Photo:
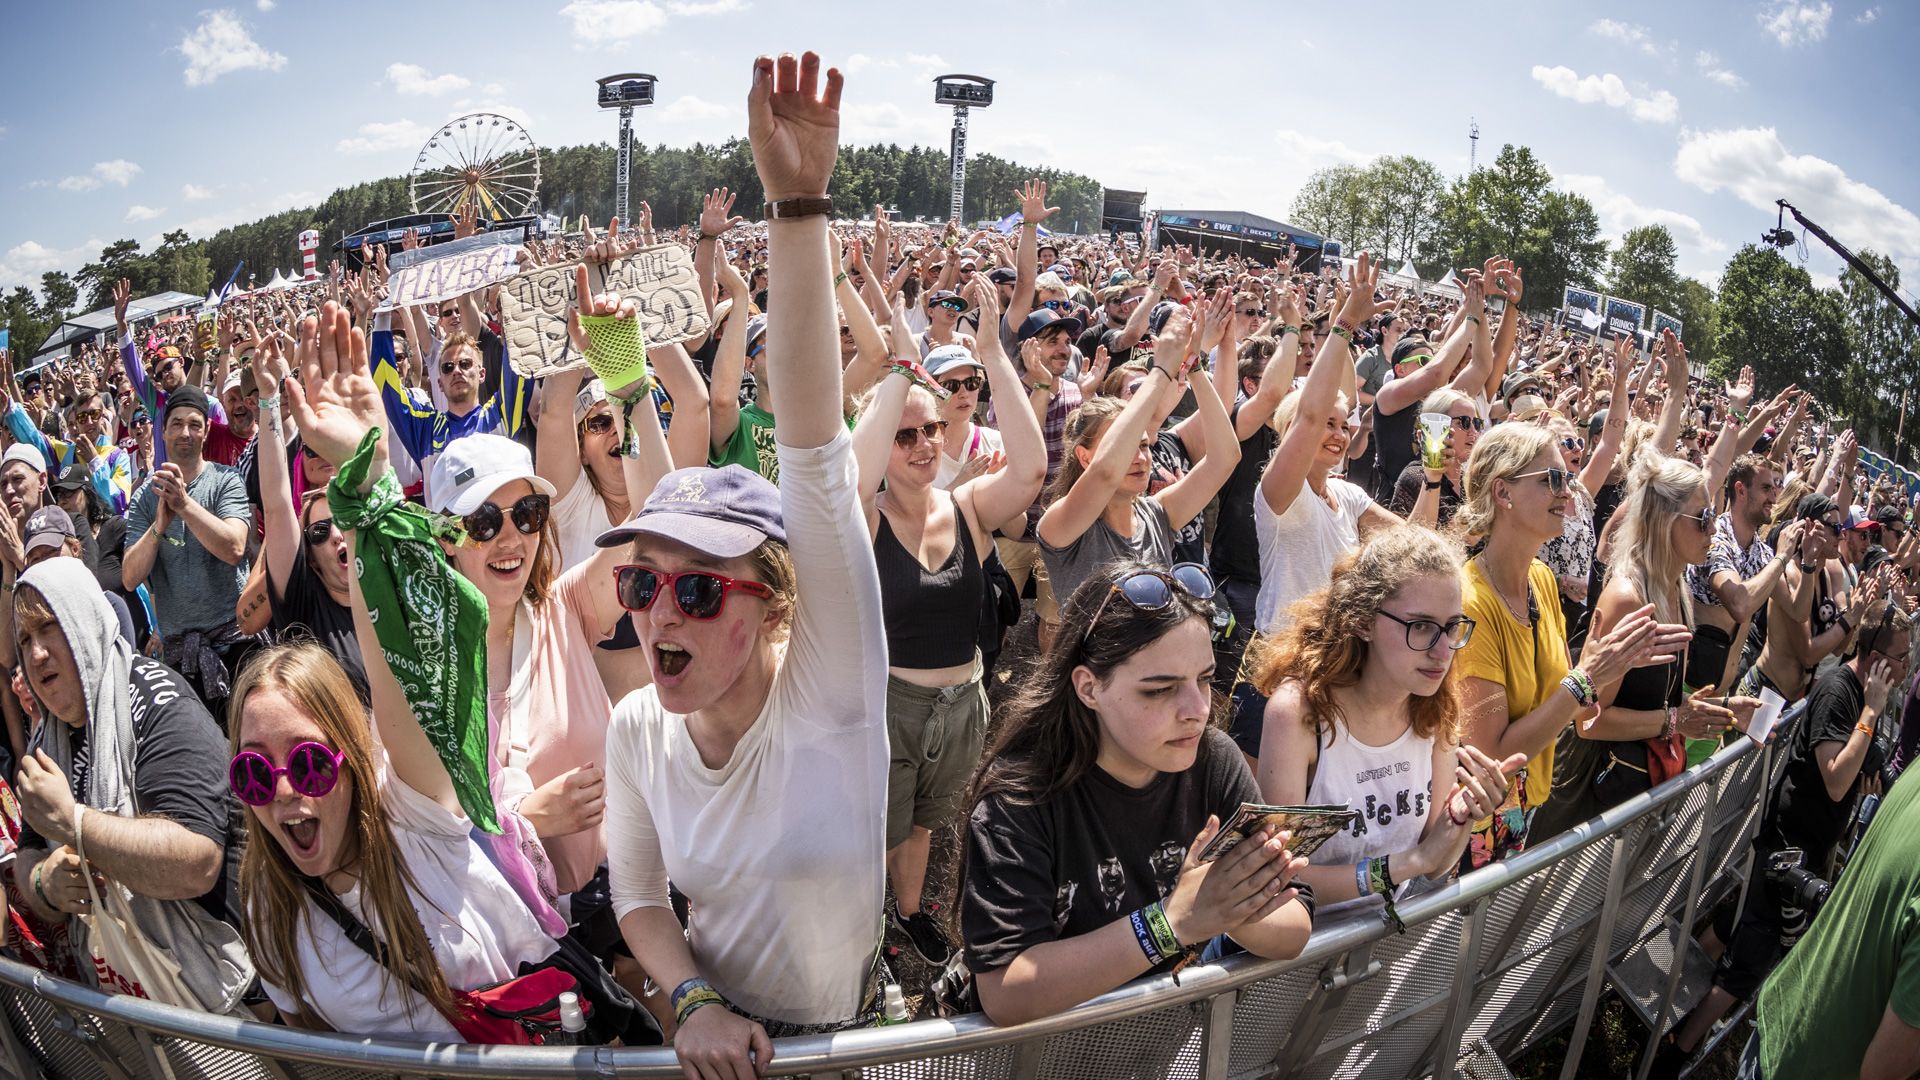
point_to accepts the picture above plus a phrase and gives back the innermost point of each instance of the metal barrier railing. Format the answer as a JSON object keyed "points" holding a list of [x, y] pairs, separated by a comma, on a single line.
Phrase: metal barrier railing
{"points": [[1503, 957]]}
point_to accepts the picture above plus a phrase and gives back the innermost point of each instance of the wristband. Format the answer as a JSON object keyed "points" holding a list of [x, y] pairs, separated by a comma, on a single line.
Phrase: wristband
{"points": [[1288, 328], [1362, 877], [37, 890], [838, 278], [1144, 938], [1470, 318], [1379, 877], [917, 374], [1845, 623], [1158, 925], [1450, 817], [270, 404], [1341, 332], [692, 995], [1673, 722], [1861, 726], [1430, 485]]}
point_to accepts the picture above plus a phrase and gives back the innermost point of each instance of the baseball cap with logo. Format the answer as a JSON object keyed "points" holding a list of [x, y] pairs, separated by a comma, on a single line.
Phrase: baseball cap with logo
{"points": [[473, 467], [725, 512], [49, 526], [945, 358]]}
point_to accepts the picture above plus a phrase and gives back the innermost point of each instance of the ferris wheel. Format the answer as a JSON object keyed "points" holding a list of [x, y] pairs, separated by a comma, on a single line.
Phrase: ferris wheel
{"points": [[481, 159]]}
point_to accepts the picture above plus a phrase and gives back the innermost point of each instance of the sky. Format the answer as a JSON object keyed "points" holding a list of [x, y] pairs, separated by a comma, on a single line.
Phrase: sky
{"points": [[1696, 116]]}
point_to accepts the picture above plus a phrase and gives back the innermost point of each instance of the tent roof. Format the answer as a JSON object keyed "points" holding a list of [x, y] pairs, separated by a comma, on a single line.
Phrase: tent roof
{"points": [[1237, 221], [1407, 271], [101, 321]]}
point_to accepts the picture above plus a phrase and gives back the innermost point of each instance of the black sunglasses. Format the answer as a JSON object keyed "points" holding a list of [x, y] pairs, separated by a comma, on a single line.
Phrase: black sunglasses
{"points": [[1253, 313], [1457, 630], [1703, 519], [319, 532], [1573, 443], [449, 367], [1152, 590], [700, 595], [529, 515], [1469, 423], [600, 425], [969, 384], [906, 437]]}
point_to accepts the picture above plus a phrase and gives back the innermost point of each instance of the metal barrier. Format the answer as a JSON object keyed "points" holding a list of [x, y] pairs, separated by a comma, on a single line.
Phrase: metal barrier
{"points": [[1500, 958]]}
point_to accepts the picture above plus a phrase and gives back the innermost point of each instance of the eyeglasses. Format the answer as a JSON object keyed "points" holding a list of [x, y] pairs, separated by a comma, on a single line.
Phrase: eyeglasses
{"points": [[951, 305], [1832, 526], [312, 769], [319, 532], [1574, 443], [700, 594], [1558, 480], [1152, 590], [448, 367], [600, 424], [907, 437], [969, 384], [1469, 423], [529, 515], [1457, 630]]}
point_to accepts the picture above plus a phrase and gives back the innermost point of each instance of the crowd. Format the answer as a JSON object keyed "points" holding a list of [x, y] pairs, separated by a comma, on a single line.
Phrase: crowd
{"points": [[663, 691]]}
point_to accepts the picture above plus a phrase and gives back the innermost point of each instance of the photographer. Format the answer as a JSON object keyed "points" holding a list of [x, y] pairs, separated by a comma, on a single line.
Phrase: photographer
{"points": [[1830, 753]]}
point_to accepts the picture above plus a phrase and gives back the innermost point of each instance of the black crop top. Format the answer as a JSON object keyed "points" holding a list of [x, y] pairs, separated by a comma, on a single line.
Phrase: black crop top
{"points": [[933, 616]]}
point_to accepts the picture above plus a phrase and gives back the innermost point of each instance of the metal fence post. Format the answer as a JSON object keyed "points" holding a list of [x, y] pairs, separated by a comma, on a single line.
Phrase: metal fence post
{"points": [[1216, 1035], [1683, 935], [1601, 945], [1460, 1002]]}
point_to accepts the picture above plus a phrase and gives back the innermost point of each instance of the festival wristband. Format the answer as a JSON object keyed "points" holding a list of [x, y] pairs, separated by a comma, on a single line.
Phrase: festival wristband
{"points": [[270, 404], [1379, 878], [1363, 876], [917, 374], [1863, 727], [1144, 936], [38, 891], [1289, 328], [1341, 332], [1450, 817], [838, 278], [1161, 929], [692, 995]]}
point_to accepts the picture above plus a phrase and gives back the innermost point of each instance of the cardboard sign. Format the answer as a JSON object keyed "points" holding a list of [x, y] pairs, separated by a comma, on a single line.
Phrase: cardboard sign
{"points": [[449, 270], [1624, 317], [533, 305], [402, 258], [1663, 321]]}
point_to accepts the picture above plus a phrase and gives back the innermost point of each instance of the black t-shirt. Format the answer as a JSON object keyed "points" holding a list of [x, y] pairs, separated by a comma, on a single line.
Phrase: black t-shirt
{"points": [[1236, 549], [306, 609], [1407, 491], [1092, 854], [1170, 463], [179, 772], [1393, 448], [1803, 815]]}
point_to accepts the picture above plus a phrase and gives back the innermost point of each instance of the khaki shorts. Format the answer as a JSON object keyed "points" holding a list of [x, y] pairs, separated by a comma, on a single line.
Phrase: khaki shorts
{"points": [[1022, 559], [934, 736]]}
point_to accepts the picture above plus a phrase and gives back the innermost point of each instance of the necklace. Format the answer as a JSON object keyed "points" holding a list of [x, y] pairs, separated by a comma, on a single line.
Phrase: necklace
{"points": [[1526, 613]]}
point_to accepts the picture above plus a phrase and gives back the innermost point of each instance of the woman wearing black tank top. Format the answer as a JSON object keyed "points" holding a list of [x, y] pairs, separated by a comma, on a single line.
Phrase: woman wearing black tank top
{"points": [[929, 546], [1638, 738]]}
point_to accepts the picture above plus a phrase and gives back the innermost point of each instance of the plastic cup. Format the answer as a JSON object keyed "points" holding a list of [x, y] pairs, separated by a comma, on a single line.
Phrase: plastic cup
{"points": [[1433, 439]]}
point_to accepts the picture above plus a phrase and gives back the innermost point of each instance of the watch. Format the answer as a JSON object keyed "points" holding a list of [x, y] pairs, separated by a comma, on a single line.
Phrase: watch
{"points": [[1431, 485], [804, 206]]}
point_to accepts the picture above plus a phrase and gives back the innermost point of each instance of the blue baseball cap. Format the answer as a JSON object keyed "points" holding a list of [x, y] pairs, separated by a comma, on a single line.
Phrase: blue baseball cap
{"points": [[725, 512]]}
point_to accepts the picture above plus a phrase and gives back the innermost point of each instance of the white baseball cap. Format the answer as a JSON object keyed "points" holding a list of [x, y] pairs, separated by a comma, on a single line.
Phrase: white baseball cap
{"points": [[473, 467], [26, 452]]}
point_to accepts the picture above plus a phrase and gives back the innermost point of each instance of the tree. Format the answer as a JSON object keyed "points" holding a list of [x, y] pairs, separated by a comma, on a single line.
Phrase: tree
{"points": [[1642, 269], [1510, 209], [1772, 318], [1699, 315], [1403, 202], [1562, 248], [1884, 344], [57, 296], [1333, 203]]}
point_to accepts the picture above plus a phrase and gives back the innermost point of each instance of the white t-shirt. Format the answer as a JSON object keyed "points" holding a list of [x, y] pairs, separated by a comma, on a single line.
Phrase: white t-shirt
{"points": [[1298, 548], [781, 850], [984, 440], [1391, 786], [579, 516], [479, 928]]}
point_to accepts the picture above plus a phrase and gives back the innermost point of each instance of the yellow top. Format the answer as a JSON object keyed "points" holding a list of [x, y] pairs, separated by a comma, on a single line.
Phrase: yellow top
{"points": [[1528, 661]]}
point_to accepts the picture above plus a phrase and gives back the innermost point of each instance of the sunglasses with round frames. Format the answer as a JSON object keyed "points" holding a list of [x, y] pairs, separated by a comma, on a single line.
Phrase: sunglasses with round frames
{"points": [[1558, 480], [319, 531], [699, 594], [312, 769], [1457, 630], [1469, 423], [1574, 443], [906, 437], [529, 513], [968, 384], [1152, 590]]}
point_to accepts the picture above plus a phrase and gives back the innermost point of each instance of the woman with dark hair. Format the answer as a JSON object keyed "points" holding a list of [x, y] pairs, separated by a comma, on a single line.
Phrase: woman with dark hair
{"points": [[1086, 819], [1364, 710]]}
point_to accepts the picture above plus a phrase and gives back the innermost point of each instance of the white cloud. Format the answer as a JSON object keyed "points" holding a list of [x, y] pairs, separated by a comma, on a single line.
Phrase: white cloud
{"points": [[221, 45], [1311, 152], [263, 5], [137, 212], [1710, 67], [888, 122], [194, 192], [1619, 212], [1658, 107], [689, 107], [379, 138], [1867, 16], [858, 62], [119, 171], [1629, 34], [26, 261], [708, 7], [1792, 23], [413, 79], [1755, 166]]}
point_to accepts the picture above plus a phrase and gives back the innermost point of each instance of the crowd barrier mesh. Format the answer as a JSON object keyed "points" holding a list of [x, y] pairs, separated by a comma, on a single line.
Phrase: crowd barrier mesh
{"points": [[1489, 965]]}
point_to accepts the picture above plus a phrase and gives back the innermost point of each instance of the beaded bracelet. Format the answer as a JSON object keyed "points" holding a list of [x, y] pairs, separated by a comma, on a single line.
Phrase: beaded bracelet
{"points": [[690, 996]]}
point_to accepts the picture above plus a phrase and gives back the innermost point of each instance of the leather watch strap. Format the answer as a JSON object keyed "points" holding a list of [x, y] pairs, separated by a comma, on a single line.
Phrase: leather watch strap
{"points": [[805, 206]]}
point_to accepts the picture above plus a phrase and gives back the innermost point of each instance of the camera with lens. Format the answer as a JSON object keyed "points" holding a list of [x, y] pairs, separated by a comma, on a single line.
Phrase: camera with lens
{"points": [[1779, 237], [1794, 883]]}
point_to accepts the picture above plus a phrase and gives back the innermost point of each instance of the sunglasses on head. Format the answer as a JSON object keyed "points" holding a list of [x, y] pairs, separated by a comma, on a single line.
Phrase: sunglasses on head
{"points": [[700, 594], [599, 424], [906, 437], [1152, 590], [319, 532], [529, 514], [1469, 423], [1558, 480], [1424, 634], [969, 384], [312, 769]]}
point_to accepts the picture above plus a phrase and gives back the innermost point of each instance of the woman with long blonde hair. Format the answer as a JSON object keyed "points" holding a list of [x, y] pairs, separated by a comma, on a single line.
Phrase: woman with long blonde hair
{"points": [[1518, 681], [1364, 710]]}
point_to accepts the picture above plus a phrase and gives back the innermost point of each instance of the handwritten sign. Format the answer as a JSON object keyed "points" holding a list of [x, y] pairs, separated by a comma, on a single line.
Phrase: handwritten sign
{"points": [[401, 259], [660, 279], [449, 271]]}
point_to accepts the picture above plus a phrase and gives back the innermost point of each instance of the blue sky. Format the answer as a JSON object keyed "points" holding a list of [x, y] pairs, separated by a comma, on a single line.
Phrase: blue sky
{"points": [[129, 119]]}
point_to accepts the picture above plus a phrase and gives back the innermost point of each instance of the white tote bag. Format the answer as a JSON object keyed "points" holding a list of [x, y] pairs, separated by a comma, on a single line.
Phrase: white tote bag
{"points": [[124, 961]]}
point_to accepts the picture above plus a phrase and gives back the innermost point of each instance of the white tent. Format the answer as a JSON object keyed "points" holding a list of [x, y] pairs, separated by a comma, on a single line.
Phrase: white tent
{"points": [[1449, 281], [278, 282], [1407, 271]]}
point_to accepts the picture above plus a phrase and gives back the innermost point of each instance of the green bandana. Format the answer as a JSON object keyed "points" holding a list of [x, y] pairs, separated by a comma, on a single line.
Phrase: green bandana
{"points": [[431, 622]]}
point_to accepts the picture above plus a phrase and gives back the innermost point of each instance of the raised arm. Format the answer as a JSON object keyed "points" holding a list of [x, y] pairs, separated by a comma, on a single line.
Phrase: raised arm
{"points": [[1402, 394], [997, 496], [556, 449], [870, 348], [283, 539], [1026, 263], [1483, 366], [729, 363], [1673, 411]]}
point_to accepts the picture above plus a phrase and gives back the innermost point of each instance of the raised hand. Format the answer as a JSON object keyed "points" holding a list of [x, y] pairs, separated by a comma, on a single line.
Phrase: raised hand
{"points": [[1740, 391], [1360, 304], [122, 295], [1033, 202], [467, 222], [607, 303], [716, 212], [334, 401], [793, 127]]}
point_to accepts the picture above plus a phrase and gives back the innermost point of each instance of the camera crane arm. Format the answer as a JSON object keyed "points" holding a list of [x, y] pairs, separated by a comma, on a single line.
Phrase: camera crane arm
{"points": [[1781, 238]]}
